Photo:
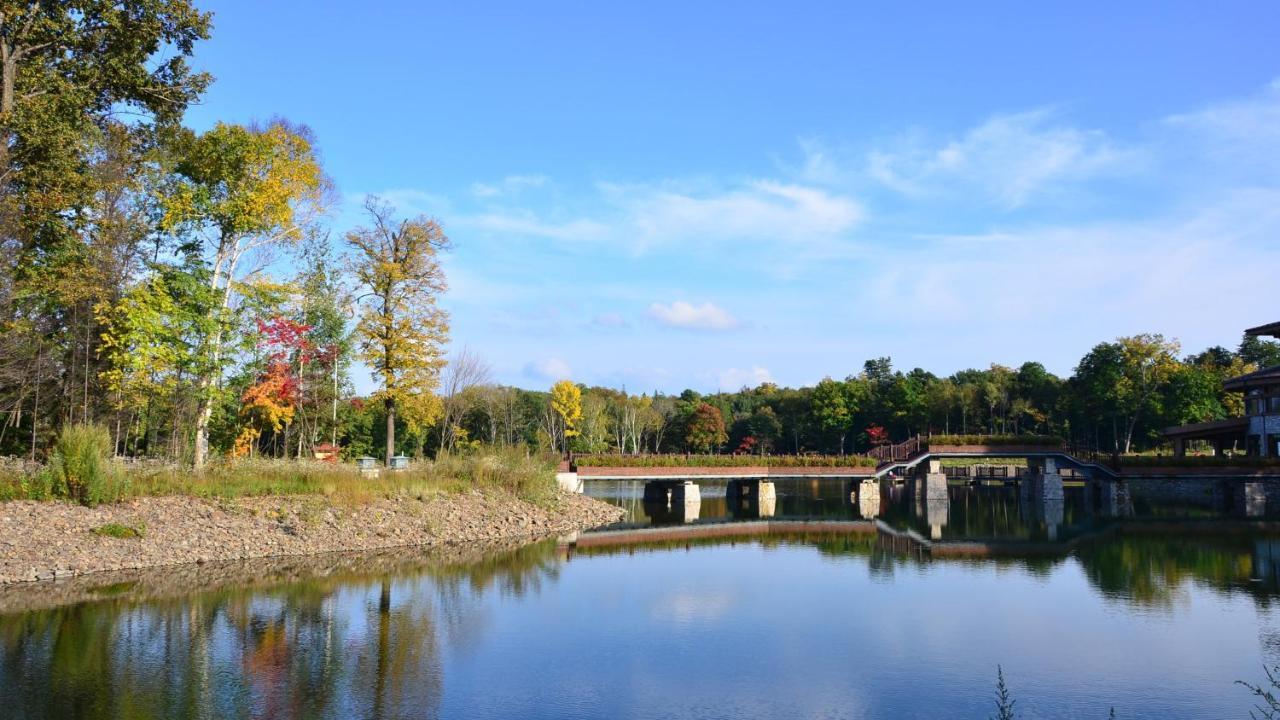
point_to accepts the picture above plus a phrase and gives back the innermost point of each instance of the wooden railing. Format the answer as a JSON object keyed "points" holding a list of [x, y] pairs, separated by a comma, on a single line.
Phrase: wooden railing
{"points": [[897, 453]]}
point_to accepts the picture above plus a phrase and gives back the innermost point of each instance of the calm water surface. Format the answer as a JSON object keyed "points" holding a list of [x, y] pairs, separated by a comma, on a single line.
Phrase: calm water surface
{"points": [[1158, 621]]}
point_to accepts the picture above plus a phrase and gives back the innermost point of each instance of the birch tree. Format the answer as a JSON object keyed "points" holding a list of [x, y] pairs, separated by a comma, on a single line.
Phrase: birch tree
{"points": [[238, 192]]}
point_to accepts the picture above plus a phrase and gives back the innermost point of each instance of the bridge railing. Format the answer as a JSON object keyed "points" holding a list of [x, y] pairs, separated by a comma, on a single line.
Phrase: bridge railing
{"points": [[897, 453]]}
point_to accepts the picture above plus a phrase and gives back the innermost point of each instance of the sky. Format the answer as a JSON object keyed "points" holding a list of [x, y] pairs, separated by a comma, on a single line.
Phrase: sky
{"points": [[661, 196]]}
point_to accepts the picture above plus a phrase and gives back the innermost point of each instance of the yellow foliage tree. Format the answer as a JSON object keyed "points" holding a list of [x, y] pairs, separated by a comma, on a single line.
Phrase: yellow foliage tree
{"points": [[401, 330], [566, 402]]}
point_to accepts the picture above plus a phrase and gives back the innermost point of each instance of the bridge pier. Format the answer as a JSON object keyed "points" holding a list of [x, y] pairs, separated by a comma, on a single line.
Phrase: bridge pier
{"points": [[751, 498], [933, 480], [667, 501], [868, 498], [1043, 479], [1250, 498], [1112, 497]]}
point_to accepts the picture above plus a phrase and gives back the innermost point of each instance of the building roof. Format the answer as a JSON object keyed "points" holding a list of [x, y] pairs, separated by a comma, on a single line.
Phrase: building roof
{"points": [[1265, 376], [1268, 330], [1209, 430]]}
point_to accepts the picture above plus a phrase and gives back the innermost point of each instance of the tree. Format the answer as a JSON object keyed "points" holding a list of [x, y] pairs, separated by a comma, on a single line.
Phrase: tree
{"points": [[830, 402], [1122, 382], [239, 190], [68, 67], [1263, 353], [706, 429], [765, 428], [464, 373], [566, 408], [401, 330]]}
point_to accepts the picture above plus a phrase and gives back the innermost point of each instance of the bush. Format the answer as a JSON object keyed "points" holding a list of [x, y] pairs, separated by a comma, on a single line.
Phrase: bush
{"points": [[82, 468], [996, 440], [1192, 461], [122, 532], [779, 461]]}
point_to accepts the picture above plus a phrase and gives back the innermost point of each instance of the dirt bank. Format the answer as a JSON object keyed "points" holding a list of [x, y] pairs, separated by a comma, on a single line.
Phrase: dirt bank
{"points": [[51, 540]]}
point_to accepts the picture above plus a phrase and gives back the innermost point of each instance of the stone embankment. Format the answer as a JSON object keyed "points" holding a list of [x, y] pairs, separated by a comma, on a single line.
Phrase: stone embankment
{"points": [[53, 540]]}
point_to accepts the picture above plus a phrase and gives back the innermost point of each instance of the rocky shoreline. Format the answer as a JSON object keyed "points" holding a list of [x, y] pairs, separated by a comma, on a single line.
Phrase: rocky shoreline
{"points": [[42, 541]]}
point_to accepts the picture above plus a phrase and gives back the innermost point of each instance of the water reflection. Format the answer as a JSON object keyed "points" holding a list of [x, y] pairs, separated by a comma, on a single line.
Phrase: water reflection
{"points": [[438, 640], [338, 646]]}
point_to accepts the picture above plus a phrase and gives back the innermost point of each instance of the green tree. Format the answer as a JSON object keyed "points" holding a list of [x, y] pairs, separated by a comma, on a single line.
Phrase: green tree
{"points": [[1260, 352], [401, 330], [830, 402], [1121, 382]]}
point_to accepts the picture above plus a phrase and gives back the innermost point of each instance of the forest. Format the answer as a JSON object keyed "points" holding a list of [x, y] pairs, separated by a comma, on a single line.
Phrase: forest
{"points": [[190, 293]]}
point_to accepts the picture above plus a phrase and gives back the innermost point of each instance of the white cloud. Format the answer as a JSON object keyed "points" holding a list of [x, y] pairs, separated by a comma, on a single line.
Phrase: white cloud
{"points": [[683, 314], [548, 370], [760, 211], [526, 224], [1008, 159], [508, 185], [735, 378]]}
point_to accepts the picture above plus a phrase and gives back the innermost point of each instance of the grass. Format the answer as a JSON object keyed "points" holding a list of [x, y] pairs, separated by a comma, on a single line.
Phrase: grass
{"points": [[783, 461], [507, 470], [122, 532]]}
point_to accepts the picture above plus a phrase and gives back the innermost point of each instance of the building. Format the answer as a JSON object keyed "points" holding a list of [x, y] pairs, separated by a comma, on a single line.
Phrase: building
{"points": [[1258, 432]]}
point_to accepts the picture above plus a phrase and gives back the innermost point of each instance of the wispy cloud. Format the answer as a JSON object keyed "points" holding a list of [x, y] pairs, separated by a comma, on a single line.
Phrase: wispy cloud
{"points": [[548, 370], [761, 210], [1009, 159], [508, 185], [735, 378], [683, 314]]}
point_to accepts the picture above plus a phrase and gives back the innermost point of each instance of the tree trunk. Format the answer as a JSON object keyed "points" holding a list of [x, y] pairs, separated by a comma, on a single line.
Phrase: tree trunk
{"points": [[391, 430]]}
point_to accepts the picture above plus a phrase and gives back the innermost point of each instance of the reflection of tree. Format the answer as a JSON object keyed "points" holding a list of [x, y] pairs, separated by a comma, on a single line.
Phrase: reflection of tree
{"points": [[1154, 570], [327, 647]]}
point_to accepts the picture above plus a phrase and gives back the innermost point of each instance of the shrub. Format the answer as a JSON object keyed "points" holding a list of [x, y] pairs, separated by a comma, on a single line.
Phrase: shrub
{"points": [[123, 532], [780, 461], [1197, 461], [996, 440], [82, 469]]}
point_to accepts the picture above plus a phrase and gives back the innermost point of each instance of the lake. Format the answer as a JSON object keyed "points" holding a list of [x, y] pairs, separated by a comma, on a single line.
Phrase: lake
{"points": [[724, 616]]}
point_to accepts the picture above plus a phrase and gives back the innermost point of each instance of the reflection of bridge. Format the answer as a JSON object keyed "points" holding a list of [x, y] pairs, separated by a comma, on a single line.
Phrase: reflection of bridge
{"points": [[906, 456]]}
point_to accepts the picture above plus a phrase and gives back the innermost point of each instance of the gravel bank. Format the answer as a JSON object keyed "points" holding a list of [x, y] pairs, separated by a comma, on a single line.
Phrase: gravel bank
{"points": [[50, 540]]}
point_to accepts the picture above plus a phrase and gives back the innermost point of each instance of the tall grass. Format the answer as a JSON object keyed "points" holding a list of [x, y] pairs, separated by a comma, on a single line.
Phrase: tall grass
{"points": [[509, 471]]}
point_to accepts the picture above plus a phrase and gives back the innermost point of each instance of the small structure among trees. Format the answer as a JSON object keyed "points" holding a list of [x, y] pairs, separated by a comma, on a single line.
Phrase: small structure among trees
{"points": [[1257, 429]]}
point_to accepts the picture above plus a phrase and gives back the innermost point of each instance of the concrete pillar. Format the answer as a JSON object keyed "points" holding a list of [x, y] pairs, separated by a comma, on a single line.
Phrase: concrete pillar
{"points": [[751, 499], [1251, 498], [686, 492], [569, 482], [935, 514], [868, 499], [658, 492], [1050, 512], [933, 484], [1043, 479], [1113, 497], [1179, 447], [766, 491]]}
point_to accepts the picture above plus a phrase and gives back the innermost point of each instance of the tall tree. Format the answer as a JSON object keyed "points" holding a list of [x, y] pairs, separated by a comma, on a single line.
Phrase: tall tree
{"points": [[402, 330], [240, 190], [830, 402], [566, 412], [706, 429]]}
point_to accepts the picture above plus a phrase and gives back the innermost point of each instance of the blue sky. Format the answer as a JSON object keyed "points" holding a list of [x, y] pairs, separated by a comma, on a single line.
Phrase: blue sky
{"points": [[666, 196]]}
